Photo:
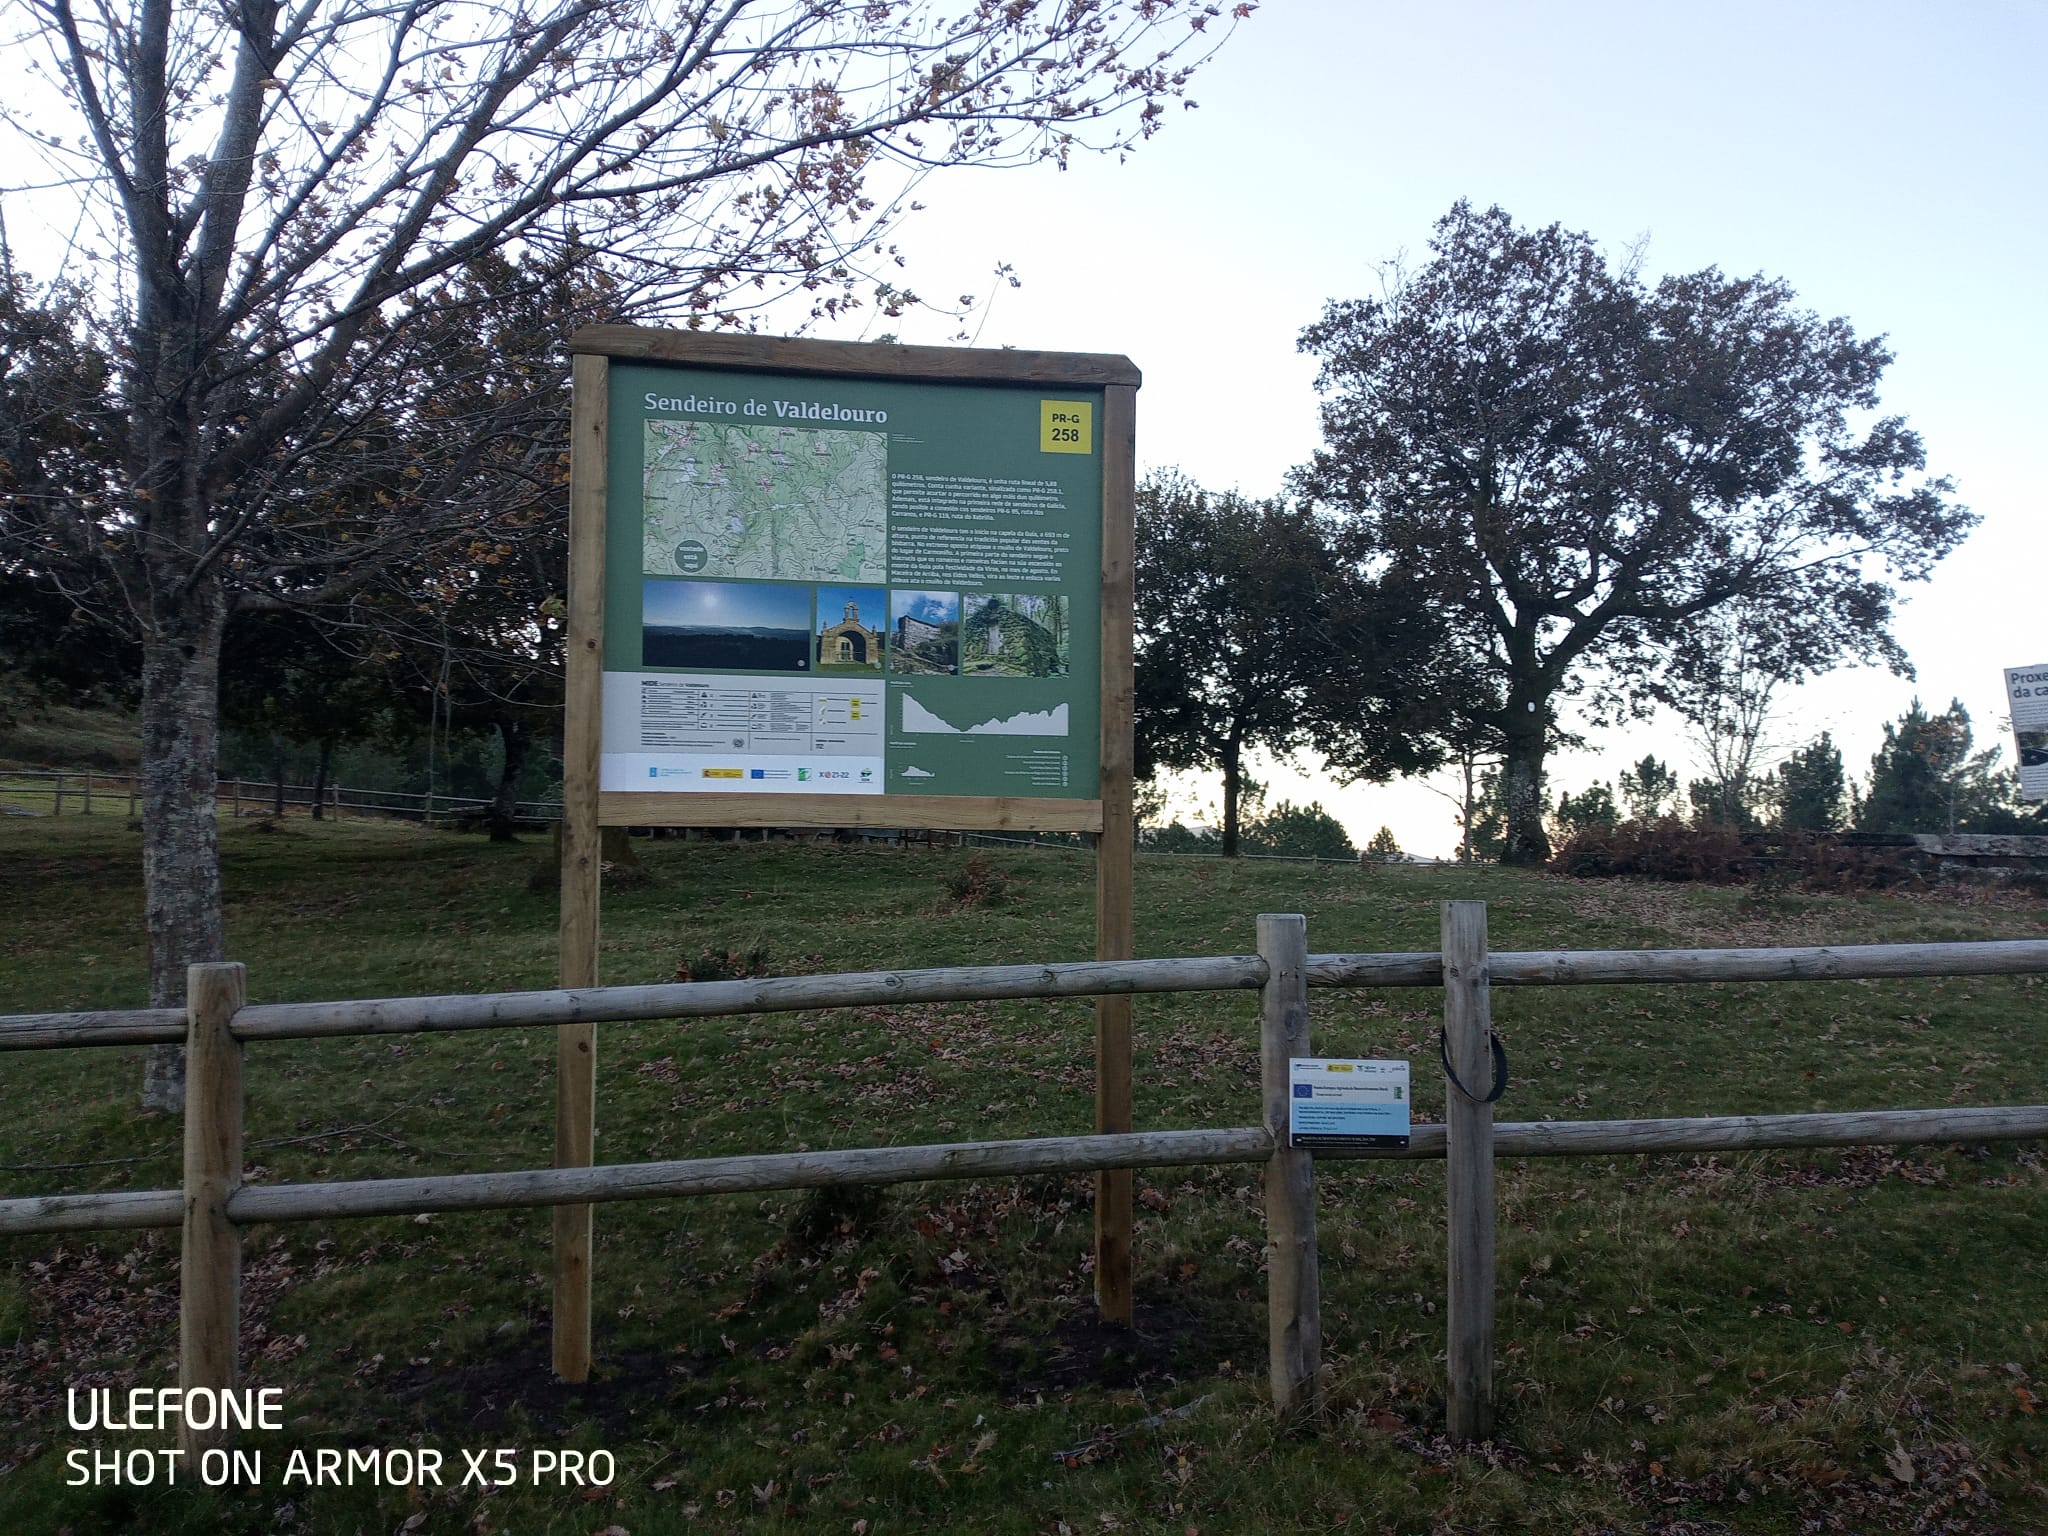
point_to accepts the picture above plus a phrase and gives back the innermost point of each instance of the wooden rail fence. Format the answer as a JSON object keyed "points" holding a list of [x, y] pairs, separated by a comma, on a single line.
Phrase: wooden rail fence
{"points": [[114, 793], [213, 1206]]}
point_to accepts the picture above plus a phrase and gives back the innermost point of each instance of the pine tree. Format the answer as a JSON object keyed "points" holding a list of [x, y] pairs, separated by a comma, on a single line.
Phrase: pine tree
{"points": [[1592, 807], [1649, 790], [1809, 787], [1927, 778]]}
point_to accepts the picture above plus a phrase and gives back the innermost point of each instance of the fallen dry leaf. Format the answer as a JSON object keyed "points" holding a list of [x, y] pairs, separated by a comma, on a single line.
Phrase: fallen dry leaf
{"points": [[1899, 1463]]}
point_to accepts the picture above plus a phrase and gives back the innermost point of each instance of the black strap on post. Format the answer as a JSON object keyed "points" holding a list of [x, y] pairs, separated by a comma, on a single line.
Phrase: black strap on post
{"points": [[1500, 1067]]}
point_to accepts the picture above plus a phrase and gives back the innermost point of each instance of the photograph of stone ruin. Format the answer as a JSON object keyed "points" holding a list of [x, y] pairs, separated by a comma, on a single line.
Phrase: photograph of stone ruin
{"points": [[1009, 634], [924, 632]]}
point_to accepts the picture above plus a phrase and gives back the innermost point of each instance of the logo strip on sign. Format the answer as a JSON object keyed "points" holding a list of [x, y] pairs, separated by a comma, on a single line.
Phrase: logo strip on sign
{"points": [[1347, 1103]]}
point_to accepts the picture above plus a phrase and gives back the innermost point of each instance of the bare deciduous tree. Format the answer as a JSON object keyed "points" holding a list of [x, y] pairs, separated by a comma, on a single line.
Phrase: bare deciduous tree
{"points": [[267, 184]]}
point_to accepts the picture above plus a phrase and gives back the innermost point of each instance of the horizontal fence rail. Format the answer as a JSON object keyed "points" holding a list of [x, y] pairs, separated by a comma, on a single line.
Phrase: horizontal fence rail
{"points": [[214, 1206], [1210, 973], [1843, 962], [786, 994], [766, 1172], [678, 1000], [110, 1026]]}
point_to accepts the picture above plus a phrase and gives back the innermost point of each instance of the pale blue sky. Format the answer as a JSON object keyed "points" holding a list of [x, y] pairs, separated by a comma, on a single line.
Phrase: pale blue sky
{"points": [[724, 605], [1885, 159], [832, 603], [932, 607]]}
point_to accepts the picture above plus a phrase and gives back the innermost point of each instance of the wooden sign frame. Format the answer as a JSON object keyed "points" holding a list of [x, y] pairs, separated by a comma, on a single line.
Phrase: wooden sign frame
{"points": [[586, 807]]}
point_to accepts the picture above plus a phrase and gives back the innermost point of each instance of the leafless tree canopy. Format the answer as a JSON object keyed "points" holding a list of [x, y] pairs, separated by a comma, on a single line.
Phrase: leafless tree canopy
{"points": [[261, 183], [260, 193]]}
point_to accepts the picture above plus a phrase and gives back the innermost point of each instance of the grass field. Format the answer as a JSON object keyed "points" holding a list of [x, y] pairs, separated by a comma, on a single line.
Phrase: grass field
{"points": [[1758, 1343], [62, 735]]}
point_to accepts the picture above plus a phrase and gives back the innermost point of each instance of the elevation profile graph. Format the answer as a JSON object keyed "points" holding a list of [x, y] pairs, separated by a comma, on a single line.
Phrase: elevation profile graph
{"points": [[1042, 722]]}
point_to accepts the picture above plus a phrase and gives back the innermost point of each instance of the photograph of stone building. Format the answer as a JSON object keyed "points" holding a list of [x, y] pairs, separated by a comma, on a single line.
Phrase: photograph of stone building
{"points": [[850, 636], [924, 632], [1014, 634]]}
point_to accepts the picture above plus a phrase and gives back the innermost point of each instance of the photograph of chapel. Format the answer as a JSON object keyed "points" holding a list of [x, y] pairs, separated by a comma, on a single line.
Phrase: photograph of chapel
{"points": [[1014, 634], [850, 629]]}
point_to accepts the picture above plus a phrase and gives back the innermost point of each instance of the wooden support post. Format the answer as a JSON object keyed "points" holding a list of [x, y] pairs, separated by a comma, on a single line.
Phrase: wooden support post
{"points": [[1115, 899], [582, 865], [210, 1268], [88, 791], [57, 806], [1293, 1272], [1468, 1171], [1115, 1205]]}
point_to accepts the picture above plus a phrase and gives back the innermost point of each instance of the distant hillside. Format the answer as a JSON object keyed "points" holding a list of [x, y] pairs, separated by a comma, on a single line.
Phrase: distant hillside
{"points": [[60, 736]]}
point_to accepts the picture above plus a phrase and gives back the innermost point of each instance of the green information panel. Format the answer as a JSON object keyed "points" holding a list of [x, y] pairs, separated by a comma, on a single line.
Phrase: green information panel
{"points": [[817, 585]]}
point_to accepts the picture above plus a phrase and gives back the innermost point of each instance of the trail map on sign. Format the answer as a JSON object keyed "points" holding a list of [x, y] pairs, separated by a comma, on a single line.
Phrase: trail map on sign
{"points": [[764, 502]]}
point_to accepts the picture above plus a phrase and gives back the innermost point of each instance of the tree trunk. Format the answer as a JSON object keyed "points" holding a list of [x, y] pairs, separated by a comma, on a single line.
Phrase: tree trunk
{"points": [[320, 771], [180, 835], [1233, 785], [277, 775], [1467, 809], [1521, 778], [503, 815]]}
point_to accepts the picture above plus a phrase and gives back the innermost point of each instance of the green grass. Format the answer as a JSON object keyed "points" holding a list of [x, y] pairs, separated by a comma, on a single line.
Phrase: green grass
{"points": [[64, 736], [1686, 1344], [32, 795]]}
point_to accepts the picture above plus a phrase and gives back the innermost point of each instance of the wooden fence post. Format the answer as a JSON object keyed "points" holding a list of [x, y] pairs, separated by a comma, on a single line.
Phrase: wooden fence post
{"points": [[582, 853], [88, 791], [134, 789], [1116, 848], [1293, 1277], [1468, 1170], [57, 806], [210, 1269]]}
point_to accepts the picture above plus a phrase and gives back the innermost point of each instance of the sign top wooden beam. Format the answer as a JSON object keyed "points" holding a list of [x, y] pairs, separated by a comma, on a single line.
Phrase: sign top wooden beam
{"points": [[856, 359]]}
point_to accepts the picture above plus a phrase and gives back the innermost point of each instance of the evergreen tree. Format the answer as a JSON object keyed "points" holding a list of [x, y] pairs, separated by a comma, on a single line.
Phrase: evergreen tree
{"points": [[1178, 837], [1927, 778], [1592, 807], [1649, 790], [1303, 831], [1720, 800], [1809, 788], [1486, 828]]}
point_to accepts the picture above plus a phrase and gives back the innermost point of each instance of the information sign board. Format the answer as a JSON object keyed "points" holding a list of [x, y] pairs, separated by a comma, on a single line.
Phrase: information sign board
{"points": [[837, 584], [2026, 690], [1342, 1103], [822, 585]]}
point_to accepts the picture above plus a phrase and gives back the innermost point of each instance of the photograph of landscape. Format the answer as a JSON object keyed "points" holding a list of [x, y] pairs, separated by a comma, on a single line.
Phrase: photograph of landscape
{"points": [[756, 626], [1014, 634]]}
